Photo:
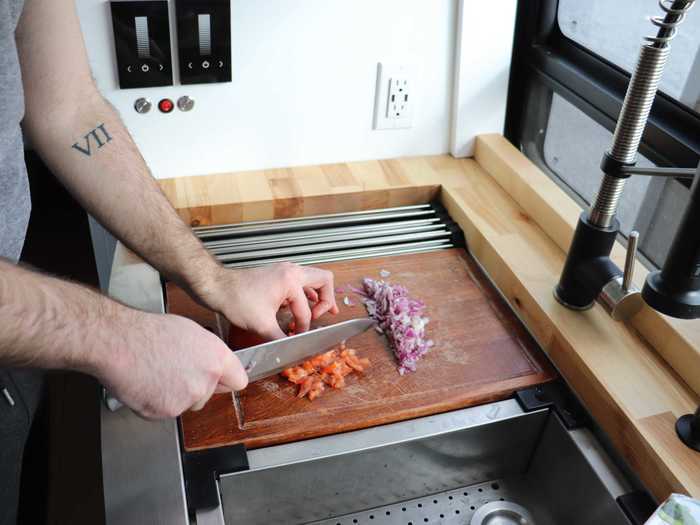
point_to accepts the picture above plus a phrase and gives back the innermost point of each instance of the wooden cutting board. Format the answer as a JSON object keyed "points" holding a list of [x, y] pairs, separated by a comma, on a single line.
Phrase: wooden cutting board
{"points": [[482, 353]]}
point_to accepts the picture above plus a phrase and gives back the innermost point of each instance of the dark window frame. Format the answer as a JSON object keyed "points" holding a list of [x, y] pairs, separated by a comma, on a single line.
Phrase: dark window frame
{"points": [[544, 56]]}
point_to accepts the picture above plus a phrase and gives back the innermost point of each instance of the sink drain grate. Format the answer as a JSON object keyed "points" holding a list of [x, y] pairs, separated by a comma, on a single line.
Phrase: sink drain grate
{"points": [[449, 508]]}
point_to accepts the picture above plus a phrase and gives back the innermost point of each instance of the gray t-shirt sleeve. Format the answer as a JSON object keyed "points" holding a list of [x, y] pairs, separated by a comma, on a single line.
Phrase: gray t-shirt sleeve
{"points": [[15, 202]]}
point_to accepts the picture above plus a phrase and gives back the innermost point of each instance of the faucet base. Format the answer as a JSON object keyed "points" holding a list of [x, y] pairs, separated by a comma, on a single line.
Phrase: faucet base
{"points": [[555, 293], [688, 430], [588, 267], [667, 299]]}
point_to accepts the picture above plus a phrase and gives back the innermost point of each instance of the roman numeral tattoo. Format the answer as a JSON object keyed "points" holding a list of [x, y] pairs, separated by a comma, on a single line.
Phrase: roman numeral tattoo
{"points": [[98, 135]]}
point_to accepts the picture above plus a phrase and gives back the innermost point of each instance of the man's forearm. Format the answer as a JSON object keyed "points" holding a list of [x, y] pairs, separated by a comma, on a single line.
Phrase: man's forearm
{"points": [[159, 365], [51, 323], [92, 153]]}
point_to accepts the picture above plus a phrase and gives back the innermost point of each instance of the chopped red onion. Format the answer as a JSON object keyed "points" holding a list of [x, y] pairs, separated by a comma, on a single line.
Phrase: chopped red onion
{"points": [[400, 317]]}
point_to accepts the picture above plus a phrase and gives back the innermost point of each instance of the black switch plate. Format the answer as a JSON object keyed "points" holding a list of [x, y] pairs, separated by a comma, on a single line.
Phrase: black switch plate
{"points": [[142, 41], [204, 40]]}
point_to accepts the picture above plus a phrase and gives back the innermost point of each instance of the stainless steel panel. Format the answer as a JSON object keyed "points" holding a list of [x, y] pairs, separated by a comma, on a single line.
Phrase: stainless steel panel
{"points": [[302, 248], [394, 433], [365, 476], [213, 516], [347, 255], [432, 468], [563, 482], [141, 470]]}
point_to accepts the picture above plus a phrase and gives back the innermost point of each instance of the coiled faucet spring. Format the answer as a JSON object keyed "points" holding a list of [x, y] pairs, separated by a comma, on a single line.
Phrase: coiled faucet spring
{"points": [[668, 24], [637, 105]]}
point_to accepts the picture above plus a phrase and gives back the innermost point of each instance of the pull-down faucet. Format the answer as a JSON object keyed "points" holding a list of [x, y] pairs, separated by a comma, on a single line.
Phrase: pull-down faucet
{"points": [[589, 273]]}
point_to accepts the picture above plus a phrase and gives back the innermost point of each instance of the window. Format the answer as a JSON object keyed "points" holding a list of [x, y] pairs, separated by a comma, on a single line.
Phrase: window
{"points": [[569, 76], [614, 31]]}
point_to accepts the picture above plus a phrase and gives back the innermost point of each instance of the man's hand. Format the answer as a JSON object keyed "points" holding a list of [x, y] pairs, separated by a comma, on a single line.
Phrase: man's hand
{"points": [[166, 364], [251, 298]]}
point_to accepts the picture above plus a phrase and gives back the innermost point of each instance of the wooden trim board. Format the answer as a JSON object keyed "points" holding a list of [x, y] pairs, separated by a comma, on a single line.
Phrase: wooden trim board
{"points": [[517, 223]]}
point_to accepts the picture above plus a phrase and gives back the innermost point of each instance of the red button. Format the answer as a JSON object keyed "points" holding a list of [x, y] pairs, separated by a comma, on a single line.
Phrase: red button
{"points": [[166, 105]]}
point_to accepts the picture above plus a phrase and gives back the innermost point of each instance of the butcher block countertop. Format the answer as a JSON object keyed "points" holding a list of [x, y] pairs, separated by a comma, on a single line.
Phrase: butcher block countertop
{"points": [[635, 378]]}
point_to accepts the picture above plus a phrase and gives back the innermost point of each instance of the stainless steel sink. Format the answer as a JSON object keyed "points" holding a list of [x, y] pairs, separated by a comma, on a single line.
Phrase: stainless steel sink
{"points": [[438, 469]]}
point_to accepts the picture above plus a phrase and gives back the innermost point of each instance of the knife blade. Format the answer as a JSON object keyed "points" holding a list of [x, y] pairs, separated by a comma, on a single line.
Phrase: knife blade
{"points": [[271, 358]]}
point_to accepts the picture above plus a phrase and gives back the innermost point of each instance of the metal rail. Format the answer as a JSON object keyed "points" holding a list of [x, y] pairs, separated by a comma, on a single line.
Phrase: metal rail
{"points": [[206, 232], [329, 238], [324, 233], [346, 255], [332, 246]]}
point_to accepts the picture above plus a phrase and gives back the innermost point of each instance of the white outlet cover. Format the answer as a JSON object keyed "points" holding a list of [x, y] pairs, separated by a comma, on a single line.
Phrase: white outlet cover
{"points": [[393, 101]]}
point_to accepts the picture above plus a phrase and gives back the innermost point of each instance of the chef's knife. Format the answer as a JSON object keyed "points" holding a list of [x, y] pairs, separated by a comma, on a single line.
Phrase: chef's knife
{"points": [[271, 358]]}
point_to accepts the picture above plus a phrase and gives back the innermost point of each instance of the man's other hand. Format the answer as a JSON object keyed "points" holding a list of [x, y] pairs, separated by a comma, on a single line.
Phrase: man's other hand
{"points": [[251, 298]]}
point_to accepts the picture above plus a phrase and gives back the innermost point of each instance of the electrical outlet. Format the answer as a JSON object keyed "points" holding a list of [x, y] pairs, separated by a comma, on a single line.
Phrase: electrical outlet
{"points": [[393, 102]]}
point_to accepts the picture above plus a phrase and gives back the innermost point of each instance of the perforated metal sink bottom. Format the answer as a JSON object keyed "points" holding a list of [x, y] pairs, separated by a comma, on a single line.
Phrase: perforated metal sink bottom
{"points": [[455, 507]]}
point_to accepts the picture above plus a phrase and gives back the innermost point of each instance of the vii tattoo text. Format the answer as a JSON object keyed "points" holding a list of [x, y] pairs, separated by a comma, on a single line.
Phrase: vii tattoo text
{"points": [[98, 135]]}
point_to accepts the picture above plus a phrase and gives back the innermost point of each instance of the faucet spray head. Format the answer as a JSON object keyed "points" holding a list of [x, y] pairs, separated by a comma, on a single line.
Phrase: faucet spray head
{"points": [[675, 289]]}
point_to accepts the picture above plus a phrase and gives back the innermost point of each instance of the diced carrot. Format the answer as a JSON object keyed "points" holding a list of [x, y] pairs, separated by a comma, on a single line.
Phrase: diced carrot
{"points": [[316, 389], [323, 360], [332, 368], [295, 374], [353, 364], [305, 386], [329, 368], [338, 382]]}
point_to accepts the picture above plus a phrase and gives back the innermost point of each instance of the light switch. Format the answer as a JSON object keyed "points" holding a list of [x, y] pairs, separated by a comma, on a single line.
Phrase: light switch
{"points": [[142, 42], [204, 40]]}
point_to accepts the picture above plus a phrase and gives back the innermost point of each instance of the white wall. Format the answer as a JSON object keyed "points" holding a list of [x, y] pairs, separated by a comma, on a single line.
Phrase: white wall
{"points": [[303, 85], [483, 48], [304, 75]]}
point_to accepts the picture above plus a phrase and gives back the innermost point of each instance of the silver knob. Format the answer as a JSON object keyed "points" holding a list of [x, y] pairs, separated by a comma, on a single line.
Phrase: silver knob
{"points": [[142, 105], [185, 103]]}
